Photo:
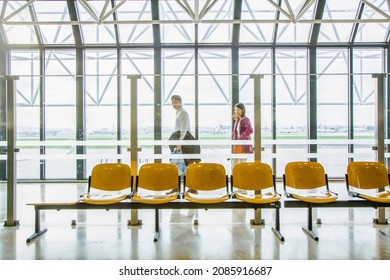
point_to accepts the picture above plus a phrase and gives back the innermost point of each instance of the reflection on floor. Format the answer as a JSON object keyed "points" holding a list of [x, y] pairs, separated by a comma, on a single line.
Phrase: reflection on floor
{"points": [[221, 234]]}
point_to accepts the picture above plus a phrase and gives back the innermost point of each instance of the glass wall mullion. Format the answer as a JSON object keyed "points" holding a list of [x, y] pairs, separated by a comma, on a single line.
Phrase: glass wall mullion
{"points": [[350, 105], [42, 114], [119, 130], [196, 55], [387, 133], [158, 100], [273, 109], [3, 112], [80, 113], [312, 102]]}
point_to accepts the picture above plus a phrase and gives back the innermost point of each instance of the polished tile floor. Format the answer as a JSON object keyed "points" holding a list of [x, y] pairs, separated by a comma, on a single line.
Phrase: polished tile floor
{"points": [[345, 234]]}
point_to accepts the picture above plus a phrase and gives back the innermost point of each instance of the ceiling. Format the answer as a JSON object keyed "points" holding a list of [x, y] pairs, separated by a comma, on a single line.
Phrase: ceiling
{"points": [[148, 23]]}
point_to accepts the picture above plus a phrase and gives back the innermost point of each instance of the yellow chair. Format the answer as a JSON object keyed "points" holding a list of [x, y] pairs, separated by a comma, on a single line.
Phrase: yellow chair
{"points": [[253, 182], [307, 182], [206, 183], [109, 183], [157, 183], [368, 180]]}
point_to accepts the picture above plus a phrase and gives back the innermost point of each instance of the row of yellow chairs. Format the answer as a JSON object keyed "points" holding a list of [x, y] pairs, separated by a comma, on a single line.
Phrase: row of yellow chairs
{"points": [[251, 182], [159, 183], [248, 176], [205, 183]]}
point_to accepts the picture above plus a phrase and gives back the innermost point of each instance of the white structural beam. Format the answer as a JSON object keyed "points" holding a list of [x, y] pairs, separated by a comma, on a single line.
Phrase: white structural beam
{"points": [[376, 9], [88, 9], [17, 11], [117, 6], [280, 9], [304, 9], [187, 8]]}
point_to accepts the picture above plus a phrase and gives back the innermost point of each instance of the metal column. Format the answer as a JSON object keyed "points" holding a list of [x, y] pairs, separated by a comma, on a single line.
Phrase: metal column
{"points": [[134, 138], [257, 123], [257, 133], [380, 132], [11, 151]]}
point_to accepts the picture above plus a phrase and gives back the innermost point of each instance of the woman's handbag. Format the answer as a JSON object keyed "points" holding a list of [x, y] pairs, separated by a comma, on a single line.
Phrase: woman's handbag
{"points": [[238, 149]]}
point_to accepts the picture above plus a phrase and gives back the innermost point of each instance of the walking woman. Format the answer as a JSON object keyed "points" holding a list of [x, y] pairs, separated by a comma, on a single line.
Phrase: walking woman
{"points": [[242, 130]]}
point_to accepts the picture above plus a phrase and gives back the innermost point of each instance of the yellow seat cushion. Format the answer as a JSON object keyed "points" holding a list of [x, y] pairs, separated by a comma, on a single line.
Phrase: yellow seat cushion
{"points": [[154, 199], [319, 197], [383, 197], [204, 198], [102, 199], [257, 198]]}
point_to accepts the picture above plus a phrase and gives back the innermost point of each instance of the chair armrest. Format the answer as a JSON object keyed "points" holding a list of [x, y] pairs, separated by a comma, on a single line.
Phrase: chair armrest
{"points": [[353, 194], [334, 193], [287, 194]]}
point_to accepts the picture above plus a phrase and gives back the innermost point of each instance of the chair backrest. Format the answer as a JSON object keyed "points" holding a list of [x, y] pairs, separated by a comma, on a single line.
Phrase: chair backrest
{"points": [[252, 176], [367, 175], [304, 175], [111, 177], [205, 176], [158, 176]]}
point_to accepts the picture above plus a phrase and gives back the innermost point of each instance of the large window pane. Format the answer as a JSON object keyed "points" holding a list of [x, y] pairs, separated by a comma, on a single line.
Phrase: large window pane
{"points": [[96, 33], [101, 104], [60, 101], [336, 10], [139, 62], [291, 105], [374, 31], [217, 33], [15, 14], [26, 64], [332, 109], [258, 62], [365, 62], [55, 11], [135, 11], [215, 108], [177, 68], [175, 33]]}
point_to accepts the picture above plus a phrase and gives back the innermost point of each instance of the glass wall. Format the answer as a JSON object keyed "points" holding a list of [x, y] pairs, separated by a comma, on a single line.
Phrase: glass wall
{"points": [[60, 113], [101, 98], [366, 62], [27, 65], [332, 110], [137, 62], [205, 51], [291, 106], [178, 69], [215, 103], [207, 96], [254, 61]]}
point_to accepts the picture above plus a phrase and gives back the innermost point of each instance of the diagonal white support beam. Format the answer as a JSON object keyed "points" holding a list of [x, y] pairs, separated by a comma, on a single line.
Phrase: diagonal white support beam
{"points": [[88, 9], [103, 11], [304, 9], [187, 8], [376, 9], [290, 11], [388, 4], [117, 6], [280, 9], [3, 10], [207, 6], [196, 11], [17, 11]]}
